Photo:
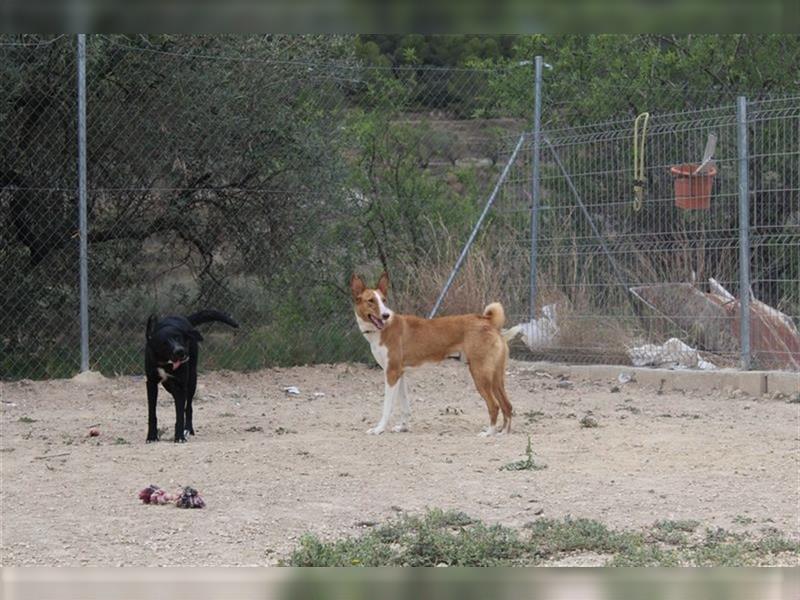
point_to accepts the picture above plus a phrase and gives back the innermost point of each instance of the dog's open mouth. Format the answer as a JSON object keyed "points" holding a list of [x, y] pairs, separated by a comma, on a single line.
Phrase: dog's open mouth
{"points": [[376, 321], [176, 363]]}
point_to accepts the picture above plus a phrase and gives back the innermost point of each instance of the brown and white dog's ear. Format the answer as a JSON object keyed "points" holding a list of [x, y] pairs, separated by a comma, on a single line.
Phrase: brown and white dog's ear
{"points": [[383, 284], [356, 286]]}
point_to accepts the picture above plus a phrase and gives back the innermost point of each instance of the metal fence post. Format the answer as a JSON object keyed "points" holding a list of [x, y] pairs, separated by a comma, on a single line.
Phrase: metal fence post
{"points": [[537, 144], [744, 233], [506, 170], [83, 234]]}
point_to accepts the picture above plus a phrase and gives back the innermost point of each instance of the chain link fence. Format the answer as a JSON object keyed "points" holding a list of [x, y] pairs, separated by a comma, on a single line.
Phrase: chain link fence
{"points": [[625, 273], [652, 276], [39, 329], [254, 176], [221, 175]]}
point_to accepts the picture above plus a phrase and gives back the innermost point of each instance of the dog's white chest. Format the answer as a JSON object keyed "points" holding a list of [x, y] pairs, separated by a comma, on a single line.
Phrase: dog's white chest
{"points": [[380, 352], [163, 375]]}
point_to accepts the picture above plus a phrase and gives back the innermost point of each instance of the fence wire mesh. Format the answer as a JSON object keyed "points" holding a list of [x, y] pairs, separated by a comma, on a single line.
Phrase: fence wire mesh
{"points": [[39, 330], [634, 285], [617, 280], [774, 166], [220, 176], [254, 176]]}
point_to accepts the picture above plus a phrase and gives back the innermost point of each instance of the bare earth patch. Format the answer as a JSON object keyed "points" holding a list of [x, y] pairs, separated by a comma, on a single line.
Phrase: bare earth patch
{"points": [[273, 466]]}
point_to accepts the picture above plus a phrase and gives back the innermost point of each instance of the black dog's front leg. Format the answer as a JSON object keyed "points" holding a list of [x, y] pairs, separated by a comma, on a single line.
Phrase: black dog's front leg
{"points": [[188, 422], [191, 386], [152, 421], [180, 408]]}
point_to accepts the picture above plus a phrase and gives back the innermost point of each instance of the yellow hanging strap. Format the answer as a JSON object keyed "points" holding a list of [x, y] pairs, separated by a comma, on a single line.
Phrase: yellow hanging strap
{"points": [[638, 160]]}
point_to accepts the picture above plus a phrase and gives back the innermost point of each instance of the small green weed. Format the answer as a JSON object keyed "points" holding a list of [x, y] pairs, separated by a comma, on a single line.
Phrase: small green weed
{"points": [[686, 525], [526, 464]]}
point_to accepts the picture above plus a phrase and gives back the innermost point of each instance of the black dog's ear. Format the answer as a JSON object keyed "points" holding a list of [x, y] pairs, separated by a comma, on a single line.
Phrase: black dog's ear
{"points": [[151, 325], [193, 333]]}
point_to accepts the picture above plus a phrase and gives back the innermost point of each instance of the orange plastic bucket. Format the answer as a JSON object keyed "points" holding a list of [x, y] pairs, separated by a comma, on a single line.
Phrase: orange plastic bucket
{"points": [[693, 192]]}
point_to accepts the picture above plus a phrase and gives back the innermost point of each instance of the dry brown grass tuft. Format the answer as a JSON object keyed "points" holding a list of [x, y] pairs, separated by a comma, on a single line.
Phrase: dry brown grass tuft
{"points": [[492, 272]]}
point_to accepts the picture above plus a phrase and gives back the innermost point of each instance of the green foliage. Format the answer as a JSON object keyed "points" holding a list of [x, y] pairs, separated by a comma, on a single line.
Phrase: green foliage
{"points": [[685, 525], [367, 552], [432, 50], [612, 76], [455, 539], [399, 197], [437, 537], [646, 556], [549, 537], [526, 464]]}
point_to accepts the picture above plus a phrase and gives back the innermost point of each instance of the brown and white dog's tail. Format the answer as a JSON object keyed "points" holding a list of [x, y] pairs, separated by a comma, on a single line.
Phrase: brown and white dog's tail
{"points": [[496, 314], [497, 317]]}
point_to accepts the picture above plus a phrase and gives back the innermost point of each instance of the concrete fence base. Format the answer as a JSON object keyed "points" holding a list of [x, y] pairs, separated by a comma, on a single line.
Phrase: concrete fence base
{"points": [[754, 383]]}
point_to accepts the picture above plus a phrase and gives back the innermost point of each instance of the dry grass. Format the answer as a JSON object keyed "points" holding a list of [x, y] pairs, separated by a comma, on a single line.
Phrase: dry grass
{"points": [[598, 319], [590, 337], [497, 270], [491, 272]]}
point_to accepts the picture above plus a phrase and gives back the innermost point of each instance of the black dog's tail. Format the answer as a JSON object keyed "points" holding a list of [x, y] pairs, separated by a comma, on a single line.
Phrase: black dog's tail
{"points": [[205, 316]]}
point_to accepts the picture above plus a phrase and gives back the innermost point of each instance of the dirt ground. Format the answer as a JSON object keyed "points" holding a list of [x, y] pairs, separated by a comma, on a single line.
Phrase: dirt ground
{"points": [[272, 466]]}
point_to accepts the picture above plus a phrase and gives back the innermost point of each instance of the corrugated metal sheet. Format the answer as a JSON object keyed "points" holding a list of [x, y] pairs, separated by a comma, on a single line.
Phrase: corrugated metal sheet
{"points": [[713, 318]]}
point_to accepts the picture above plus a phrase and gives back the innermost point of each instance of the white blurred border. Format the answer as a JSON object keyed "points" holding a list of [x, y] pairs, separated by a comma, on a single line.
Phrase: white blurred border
{"points": [[465, 584]]}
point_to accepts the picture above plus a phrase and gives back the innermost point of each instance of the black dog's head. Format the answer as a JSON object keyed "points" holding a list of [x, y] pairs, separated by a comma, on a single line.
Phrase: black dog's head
{"points": [[170, 339]]}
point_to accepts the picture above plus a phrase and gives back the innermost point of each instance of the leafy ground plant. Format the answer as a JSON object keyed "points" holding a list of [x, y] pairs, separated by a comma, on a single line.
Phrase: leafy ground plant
{"points": [[526, 464], [452, 538]]}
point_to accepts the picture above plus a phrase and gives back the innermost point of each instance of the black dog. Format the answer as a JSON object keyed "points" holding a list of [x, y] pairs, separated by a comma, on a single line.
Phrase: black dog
{"points": [[170, 357]]}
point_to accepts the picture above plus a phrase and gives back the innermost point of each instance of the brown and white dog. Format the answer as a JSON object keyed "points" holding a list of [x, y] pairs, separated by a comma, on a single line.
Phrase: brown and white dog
{"points": [[399, 342]]}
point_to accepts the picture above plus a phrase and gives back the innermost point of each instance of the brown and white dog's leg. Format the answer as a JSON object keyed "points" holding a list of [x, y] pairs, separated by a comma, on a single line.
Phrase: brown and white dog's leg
{"points": [[390, 395], [483, 383], [405, 406]]}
